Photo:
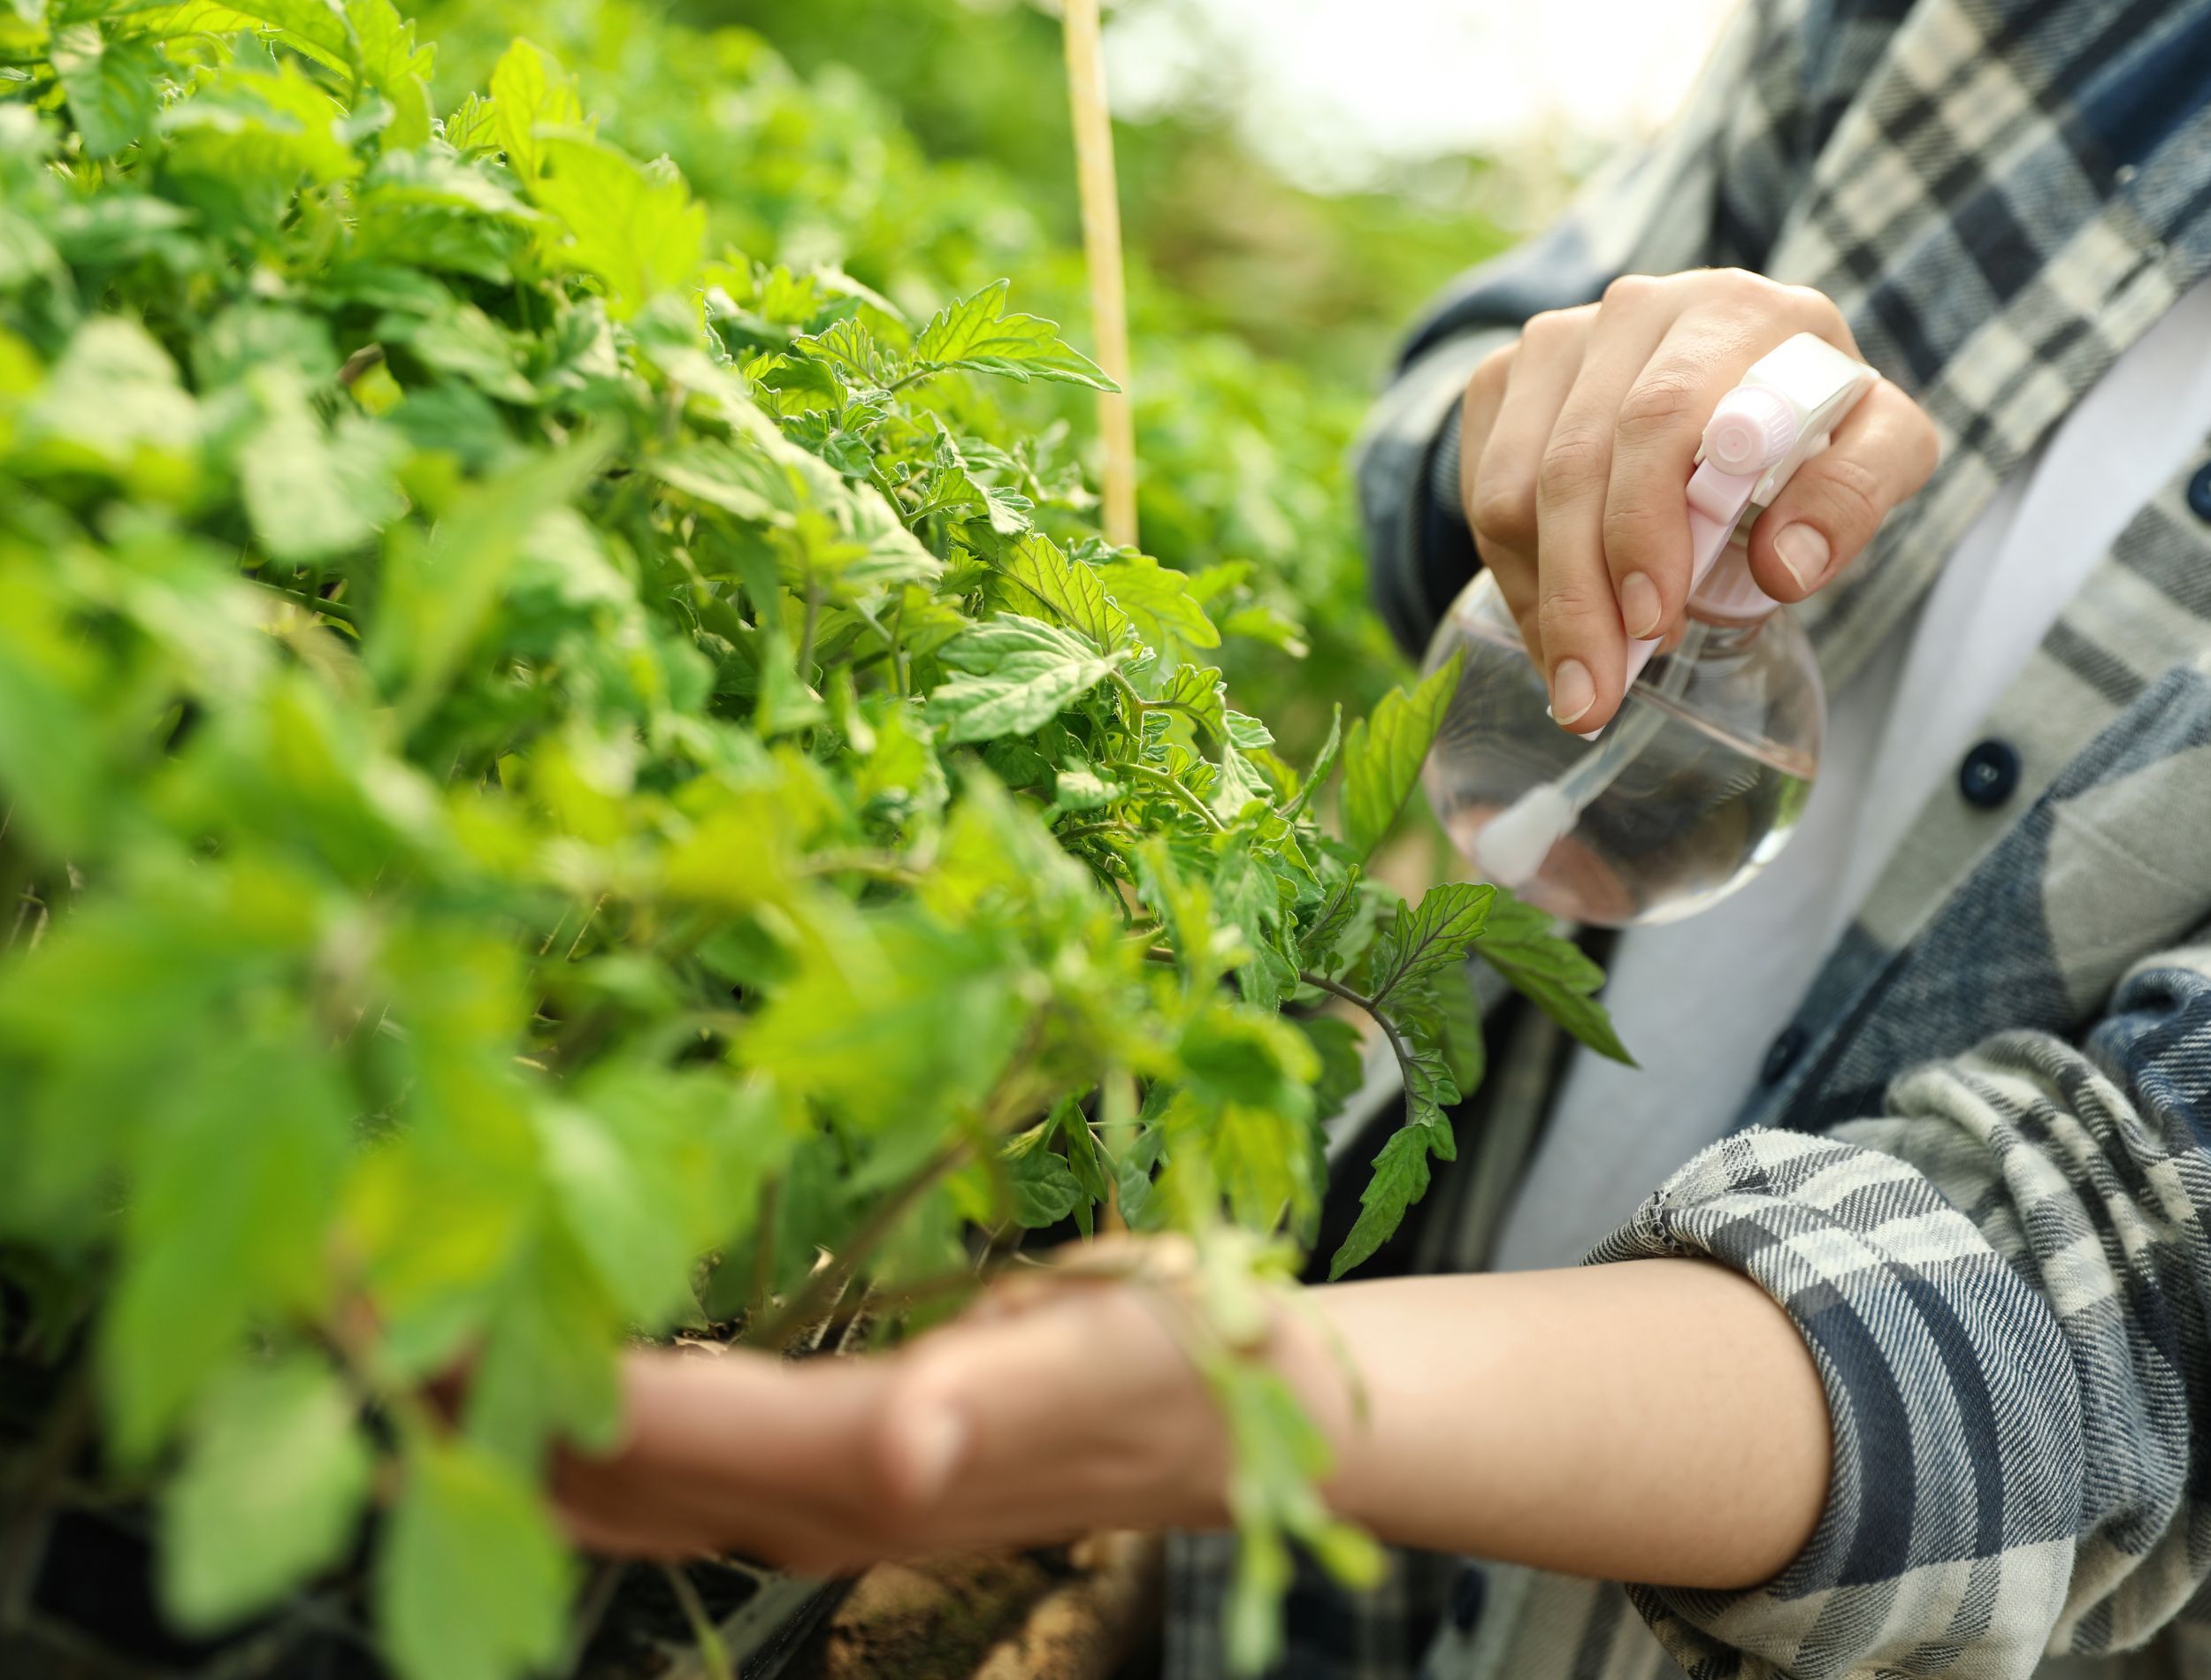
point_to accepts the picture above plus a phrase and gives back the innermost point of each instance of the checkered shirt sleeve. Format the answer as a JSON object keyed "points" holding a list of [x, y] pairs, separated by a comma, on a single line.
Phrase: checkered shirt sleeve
{"points": [[2006, 1286]]}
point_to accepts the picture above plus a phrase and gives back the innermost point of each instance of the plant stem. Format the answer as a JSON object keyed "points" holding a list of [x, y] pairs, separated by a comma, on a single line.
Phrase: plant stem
{"points": [[593, 1610], [1101, 250], [938, 1287], [712, 1652], [39, 1477], [812, 624], [1398, 1047], [337, 610], [369, 355], [1174, 785], [1084, 830], [881, 864], [763, 1279], [817, 1296]]}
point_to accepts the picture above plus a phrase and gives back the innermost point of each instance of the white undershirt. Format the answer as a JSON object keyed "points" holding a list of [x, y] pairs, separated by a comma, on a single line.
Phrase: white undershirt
{"points": [[1698, 1002]]}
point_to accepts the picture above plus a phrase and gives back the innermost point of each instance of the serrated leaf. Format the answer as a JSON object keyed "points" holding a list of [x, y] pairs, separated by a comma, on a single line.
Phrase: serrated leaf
{"points": [[549, 1361], [1458, 1030], [1343, 1060], [1045, 1187], [1018, 673], [393, 64], [235, 1186], [1337, 912], [1078, 788], [311, 496], [528, 88], [1195, 692], [636, 227], [1324, 761], [1246, 895], [1167, 614], [319, 28], [1519, 943], [113, 399], [110, 86], [1432, 936], [1067, 589], [473, 1584], [976, 333], [268, 1494], [1382, 755], [890, 1019], [1400, 1178], [439, 594]]}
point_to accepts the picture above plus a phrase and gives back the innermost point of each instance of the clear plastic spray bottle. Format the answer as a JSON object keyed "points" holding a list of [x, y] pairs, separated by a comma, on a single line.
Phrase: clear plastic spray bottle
{"points": [[1698, 781]]}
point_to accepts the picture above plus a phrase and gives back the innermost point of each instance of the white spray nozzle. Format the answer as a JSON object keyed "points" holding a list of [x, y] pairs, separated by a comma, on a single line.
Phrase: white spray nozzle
{"points": [[1754, 426]]}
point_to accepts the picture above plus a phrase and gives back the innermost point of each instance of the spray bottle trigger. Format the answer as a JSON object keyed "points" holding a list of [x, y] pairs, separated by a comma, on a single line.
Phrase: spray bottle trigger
{"points": [[1717, 502]]}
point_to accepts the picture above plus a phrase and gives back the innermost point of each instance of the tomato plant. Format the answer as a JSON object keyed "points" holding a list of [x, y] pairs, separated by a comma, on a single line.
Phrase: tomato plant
{"points": [[555, 774]]}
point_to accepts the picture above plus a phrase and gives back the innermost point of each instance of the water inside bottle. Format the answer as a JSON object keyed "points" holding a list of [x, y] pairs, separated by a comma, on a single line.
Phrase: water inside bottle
{"points": [[1702, 804]]}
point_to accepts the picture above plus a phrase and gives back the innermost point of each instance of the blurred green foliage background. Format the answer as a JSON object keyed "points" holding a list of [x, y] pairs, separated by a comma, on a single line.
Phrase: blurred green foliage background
{"points": [[923, 146]]}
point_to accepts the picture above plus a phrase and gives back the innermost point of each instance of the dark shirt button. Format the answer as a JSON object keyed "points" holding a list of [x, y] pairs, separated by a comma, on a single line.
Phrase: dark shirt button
{"points": [[2199, 493], [1989, 773], [1782, 1055], [1467, 1598]]}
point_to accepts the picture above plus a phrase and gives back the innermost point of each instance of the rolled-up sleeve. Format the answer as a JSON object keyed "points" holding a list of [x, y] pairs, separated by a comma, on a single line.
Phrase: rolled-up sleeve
{"points": [[2003, 1281]]}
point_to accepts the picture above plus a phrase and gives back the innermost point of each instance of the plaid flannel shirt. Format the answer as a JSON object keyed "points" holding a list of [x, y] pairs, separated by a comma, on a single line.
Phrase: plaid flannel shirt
{"points": [[1975, 1174]]}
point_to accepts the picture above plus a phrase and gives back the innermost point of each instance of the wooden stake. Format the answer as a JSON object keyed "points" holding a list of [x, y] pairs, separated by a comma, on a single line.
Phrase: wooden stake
{"points": [[1101, 250]]}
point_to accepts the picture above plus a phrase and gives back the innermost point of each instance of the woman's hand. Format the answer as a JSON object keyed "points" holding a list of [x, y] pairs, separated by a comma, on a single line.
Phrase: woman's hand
{"points": [[1577, 441], [1053, 1408]]}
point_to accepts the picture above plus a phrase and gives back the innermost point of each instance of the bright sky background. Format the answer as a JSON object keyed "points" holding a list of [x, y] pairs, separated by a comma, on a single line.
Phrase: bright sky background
{"points": [[1336, 91]]}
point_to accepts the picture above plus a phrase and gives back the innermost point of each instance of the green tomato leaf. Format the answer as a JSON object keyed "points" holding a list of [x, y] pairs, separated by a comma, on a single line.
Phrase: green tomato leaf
{"points": [[1045, 1190], [1020, 673], [319, 28], [976, 333], [393, 64], [113, 402], [1400, 1178], [309, 495], [1324, 761], [112, 86], [473, 1585], [634, 225], [237, 1179], [528, 88], [1518, 943], [1193, 693], [549, 1361], [1069, 591], [1432, 935], [1167, 615], [269, 1492], [1382, 755]]}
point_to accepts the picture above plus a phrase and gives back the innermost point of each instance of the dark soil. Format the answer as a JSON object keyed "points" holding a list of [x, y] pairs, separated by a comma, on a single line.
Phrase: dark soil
{"points": [[1087, 1612]]}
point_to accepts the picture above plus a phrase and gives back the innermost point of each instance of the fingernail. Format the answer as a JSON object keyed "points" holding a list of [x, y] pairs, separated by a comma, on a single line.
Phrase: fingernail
{"points": [[1571, 691], [1640, 605], [935, 1438], [1805, 551]]}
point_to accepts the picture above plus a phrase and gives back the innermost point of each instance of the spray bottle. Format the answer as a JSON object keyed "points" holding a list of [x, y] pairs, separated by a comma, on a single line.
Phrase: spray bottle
{"points": [[1699, 778]]}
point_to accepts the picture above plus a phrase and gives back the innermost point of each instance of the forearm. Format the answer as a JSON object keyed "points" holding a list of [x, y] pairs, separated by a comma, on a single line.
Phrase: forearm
{"points": [[1657, 1421]]}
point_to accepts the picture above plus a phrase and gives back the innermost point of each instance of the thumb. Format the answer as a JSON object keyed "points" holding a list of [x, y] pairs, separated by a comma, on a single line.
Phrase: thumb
{"points": [[1880, 455]]}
